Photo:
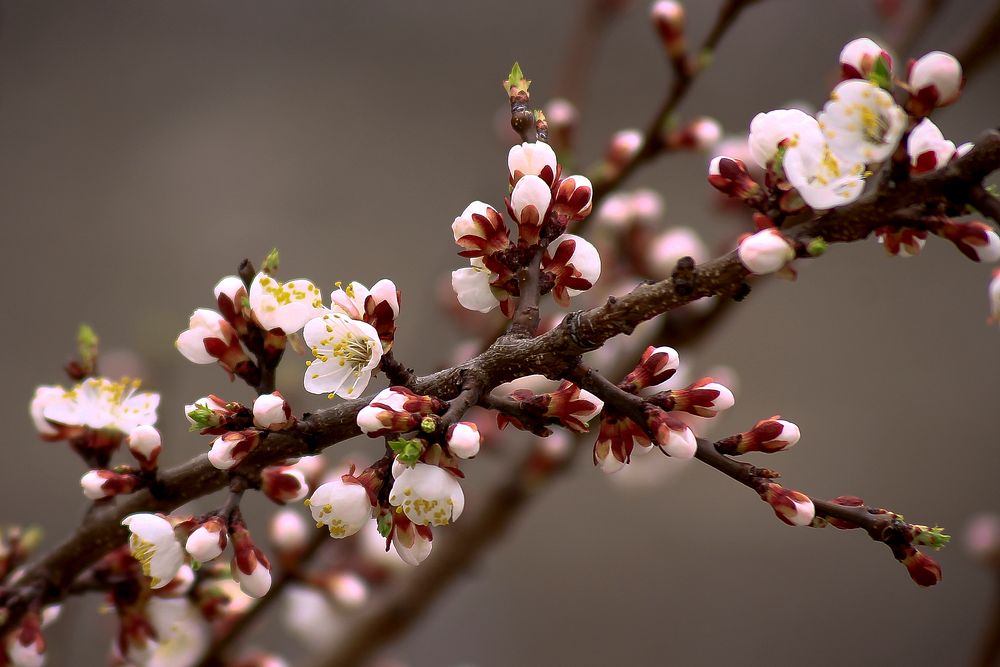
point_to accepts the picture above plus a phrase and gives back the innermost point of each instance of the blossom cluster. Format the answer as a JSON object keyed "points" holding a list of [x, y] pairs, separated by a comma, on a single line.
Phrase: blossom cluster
{"points": [[823, 161], [347, 339], [542, 203]]}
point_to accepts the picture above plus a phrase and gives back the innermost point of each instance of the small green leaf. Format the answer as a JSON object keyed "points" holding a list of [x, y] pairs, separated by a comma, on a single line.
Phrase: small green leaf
{"points": [[384, 523], [270, 265], [516, 79], [202, 418], [86, 342], [407, 451], [880, 74]]}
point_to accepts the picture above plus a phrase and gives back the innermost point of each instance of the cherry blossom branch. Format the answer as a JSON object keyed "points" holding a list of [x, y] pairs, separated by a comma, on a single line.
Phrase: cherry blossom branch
{"points": [[553, 354], [526, 317], [881, 526], [653, 138]]}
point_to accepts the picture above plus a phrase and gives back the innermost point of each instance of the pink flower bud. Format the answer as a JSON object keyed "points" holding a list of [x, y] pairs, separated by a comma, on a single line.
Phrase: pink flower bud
{"points": [[144, 444], [729, 176], [671, 434], [975, 240], [230, 449], [927, 148], [923, 569], [348, 589], [283, 484], [271, 411], [994, 294], [250, 567], [288, 531], [529, 202], [99, 484], [573, 198], [982, 538], [207, 541], [657, 365], [903, 242], [936, 79], [624, 145], [858, 58], [532, 159], [574, 264], [668, 19], [705, 398], [463, 440], [792, 507], [765, 252], [480, 230]]}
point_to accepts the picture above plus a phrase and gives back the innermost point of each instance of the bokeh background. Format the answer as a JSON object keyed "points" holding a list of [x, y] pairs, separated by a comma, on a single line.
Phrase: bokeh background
{"points": [[146, 147]]}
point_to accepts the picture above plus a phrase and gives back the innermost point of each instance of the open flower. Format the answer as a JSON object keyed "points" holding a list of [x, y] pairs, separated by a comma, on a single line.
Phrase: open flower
{"points": [[101, 404], [532, 159], [44, 396], [342, 506], [286, 306], [378, 306], [155, 546], [346, 351], [861, 122], [428, 495], [182, 633], [822, 178], [780, 128]]}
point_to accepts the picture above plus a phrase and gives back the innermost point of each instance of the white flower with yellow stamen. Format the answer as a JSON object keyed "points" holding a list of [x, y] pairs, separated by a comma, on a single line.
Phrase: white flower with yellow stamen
{"points": [[286, 306], [341, 506], [350, 300], [346, 351], [154, 544], [822, 178], [102, 404], [427, 495], [182, 633], [769, 130], [861, 122]]}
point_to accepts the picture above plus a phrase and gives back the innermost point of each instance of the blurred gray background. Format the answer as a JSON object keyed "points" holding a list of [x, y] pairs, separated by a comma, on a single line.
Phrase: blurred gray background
{"points": [[146, 147]]}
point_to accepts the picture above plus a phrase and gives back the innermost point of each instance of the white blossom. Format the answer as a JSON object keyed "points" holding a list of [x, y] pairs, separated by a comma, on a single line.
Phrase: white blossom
{"points": [[861, 122], [144, 442], [472, 287], [412, 545], [858, 57], [429, 495], [346, 352], [532, 159], [286, 306], [288, 530], [530, 200], [668, 247], [769, 130], [255, 583], [766, 251], [310, 617], [230, 286], [350, 300], [182, 633], [153, 543], [204, 324], [44, 396], [464, 440], [271, 411], [822, 178], [207, 541], [343, 507], [938, 76], [348, 589], [927, 147], [583, 259], [102, 404]]}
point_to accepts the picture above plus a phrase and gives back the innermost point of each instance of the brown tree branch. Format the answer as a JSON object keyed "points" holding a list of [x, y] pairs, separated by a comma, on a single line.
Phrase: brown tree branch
{"points": [[553, 354]]}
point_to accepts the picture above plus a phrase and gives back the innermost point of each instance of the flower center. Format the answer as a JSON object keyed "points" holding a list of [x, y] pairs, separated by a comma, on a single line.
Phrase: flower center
{"points": [[876, 127], [143, 552]]}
